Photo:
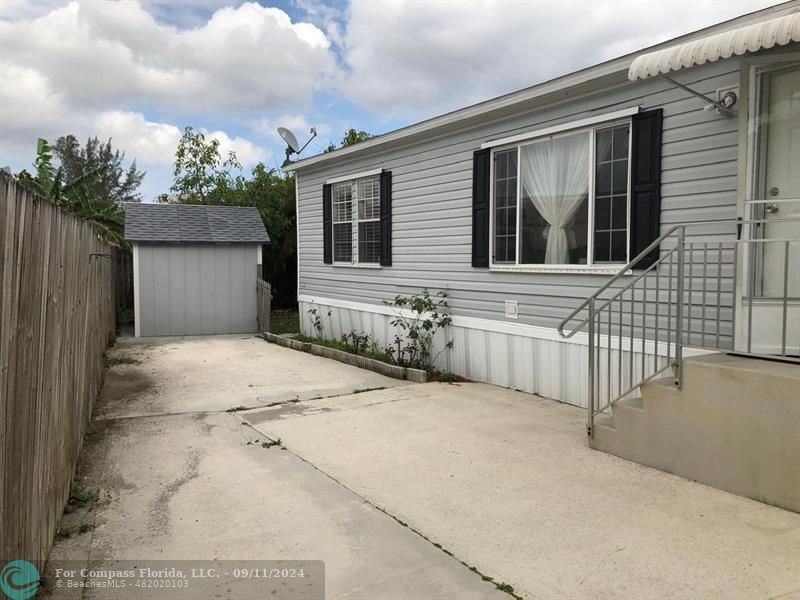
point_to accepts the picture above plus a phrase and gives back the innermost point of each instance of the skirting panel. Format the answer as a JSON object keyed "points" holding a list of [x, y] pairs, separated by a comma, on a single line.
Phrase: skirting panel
{"points": [[549, 368], [519, 356]]}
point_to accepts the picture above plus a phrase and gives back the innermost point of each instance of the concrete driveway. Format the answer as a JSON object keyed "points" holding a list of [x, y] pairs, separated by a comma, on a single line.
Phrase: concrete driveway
{"points": [[408, 491]]}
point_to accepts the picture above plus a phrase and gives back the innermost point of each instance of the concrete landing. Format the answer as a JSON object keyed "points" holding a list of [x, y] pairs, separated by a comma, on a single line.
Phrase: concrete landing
{"points": [[401, 490], [734, 424], [506, 481], [180, 478]]}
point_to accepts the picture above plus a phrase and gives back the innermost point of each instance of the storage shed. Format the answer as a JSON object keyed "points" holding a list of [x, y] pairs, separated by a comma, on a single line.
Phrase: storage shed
{"points": [[194, 268]]}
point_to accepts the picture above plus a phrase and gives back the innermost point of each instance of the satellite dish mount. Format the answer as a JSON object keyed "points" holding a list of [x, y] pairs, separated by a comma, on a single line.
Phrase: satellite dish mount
{"points": [[292, 145]]}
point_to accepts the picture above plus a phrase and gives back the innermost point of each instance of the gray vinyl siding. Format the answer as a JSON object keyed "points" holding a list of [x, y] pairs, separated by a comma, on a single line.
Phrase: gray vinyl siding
{"points": [[196, 289], [432, 190]]}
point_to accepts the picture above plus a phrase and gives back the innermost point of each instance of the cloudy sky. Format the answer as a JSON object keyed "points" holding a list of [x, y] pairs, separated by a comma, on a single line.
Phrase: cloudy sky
{"points": [[139, 71]]}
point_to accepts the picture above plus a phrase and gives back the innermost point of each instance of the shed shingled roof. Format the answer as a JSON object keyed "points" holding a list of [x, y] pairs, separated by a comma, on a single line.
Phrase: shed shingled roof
{"points": [[190, 223]]}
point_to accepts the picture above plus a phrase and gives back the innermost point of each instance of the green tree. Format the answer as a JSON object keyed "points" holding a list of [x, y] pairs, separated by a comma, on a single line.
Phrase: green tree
{"points": [[274, 196], [202, 176], [75, 194], [112, 183], [200, 170], [351, 137]]}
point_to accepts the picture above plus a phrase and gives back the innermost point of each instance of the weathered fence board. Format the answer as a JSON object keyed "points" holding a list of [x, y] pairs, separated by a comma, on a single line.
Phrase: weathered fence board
{"points": [[264, 304], [57, 317]]}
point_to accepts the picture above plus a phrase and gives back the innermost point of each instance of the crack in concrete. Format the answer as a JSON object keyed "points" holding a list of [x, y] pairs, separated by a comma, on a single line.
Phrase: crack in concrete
{"points": [[158, 514], [246, 409], [500, 585]]}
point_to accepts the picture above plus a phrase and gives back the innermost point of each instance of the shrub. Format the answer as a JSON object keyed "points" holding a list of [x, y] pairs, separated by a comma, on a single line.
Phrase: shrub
{"points": [[357, 342], [418, 319], [317, 321]]}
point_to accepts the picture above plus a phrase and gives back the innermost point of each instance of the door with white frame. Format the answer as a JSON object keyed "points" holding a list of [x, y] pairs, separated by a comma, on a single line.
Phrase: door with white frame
{"points": [[770, 256]]}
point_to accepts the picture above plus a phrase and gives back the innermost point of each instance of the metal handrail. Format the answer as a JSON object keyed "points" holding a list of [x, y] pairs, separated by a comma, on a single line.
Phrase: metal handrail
{"points": [[616, 371], [623, 271], [638, 258]]}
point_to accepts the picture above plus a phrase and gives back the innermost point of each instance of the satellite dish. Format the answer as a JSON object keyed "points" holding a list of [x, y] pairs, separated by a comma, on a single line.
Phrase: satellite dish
{"points": [[293, 146], [289, 138]]}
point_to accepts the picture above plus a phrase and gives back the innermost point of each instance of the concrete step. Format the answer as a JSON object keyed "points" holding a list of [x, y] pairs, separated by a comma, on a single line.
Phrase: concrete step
{"points": [[605, 433], [668, 382], [635, 403], [604, 420], [732, 424], [628, 414], [627, 428]]}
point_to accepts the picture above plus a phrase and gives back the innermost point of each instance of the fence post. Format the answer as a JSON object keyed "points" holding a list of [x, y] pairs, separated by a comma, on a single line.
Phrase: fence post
{"points": [[264, 304], [267, 306]]}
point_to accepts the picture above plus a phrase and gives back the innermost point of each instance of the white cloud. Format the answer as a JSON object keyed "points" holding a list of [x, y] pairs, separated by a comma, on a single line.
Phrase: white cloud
{"points": [[409, 58], [248, 58], [136, 70], [26, 9], [298, 124], [247, 152], [40, 113], [326, 16], [29, 102], [97, 68], [155, 143], [148, 142]]}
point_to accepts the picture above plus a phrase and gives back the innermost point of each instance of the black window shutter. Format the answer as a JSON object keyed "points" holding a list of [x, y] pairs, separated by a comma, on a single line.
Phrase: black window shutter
{"points": [[480, 207], [646, 184], [386, 218], [327, 225]]}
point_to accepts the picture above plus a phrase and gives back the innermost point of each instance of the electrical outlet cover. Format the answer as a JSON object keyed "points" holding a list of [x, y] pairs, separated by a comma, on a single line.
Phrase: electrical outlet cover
{"points": [[512, 309]]}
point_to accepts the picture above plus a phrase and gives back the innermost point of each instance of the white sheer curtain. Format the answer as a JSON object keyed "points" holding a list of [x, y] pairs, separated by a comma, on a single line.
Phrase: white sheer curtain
{"points": [[555, 176]]}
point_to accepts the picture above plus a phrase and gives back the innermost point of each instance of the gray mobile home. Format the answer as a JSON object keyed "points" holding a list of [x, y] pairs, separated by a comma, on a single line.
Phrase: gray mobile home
{"points": [[194, 268], [524, 206]]}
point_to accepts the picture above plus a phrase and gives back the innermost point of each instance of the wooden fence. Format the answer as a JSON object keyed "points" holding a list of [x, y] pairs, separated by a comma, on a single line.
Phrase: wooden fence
{"points": [[264, 304], [57, 317]]}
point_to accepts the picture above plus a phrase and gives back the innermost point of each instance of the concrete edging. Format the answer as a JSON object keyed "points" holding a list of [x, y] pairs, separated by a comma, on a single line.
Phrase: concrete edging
{"points": [[362, 362]]}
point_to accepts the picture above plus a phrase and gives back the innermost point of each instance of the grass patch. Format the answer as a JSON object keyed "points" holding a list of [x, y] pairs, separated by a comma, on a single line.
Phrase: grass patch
{"points": [[339, 345], [234, 409], [63, 533], [266, 443], [433, 374], [500, 585], [508, 589], [284, 321], [112, 360], [445, 377], [80, 495]]}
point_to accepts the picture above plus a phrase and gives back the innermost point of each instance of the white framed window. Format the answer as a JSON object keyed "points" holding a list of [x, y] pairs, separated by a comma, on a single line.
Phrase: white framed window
{"points": [[562, 200], [356, 205]]}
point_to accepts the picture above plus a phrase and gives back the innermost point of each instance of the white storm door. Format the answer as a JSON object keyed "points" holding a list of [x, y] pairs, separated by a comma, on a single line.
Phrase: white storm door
{"points": [[775, 285]]}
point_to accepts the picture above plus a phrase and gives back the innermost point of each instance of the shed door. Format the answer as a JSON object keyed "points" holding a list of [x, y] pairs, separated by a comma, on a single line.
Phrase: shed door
{"points": [[195, 290]]}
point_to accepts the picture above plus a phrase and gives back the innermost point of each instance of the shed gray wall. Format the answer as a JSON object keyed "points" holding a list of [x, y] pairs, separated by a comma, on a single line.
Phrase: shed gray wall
{"points": [[432, 187], [195, 289]]}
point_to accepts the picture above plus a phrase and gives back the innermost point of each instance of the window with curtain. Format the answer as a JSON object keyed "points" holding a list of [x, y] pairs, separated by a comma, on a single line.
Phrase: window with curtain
{"points": [[356, 221], [563, 200]]}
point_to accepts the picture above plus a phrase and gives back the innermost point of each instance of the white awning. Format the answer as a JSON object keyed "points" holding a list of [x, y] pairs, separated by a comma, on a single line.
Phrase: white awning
{"points": [[760, 36]]}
